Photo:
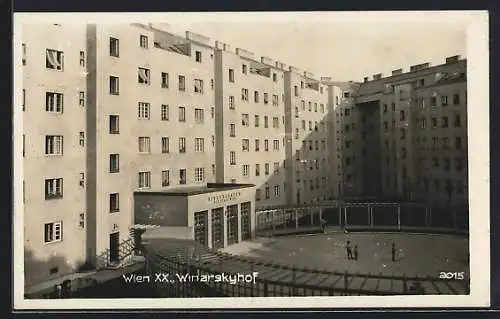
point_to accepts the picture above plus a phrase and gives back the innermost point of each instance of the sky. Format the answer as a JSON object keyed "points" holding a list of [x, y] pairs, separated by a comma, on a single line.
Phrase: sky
{"points": [[342, 50]]}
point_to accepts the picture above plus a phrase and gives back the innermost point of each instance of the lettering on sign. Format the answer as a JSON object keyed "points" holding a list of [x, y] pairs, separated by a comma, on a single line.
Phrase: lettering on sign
{"points": [[222, 198]]}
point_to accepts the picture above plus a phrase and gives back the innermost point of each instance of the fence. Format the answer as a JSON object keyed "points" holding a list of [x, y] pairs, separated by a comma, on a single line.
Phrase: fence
{"points": [[364, 216], [225, 275]]}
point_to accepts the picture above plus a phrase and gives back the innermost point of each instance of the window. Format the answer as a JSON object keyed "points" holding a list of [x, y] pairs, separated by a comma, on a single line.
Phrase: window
{"points": [[403, 153], [182, 114], [266, 122], [256, 120], [423, 123], [386, 127], [199, 174], [232, 130], [54, 102], [444, 119], [444, 100], [199, 116], [143, 41], [24, 99], [402, 115], [435, 142], [244, 69], [82, 139], [53, 188], [54, 60], [165, 145], [114, 85], [276, 190], [198, 86], [267, 192], [199, 145], [266, 98], [275, 100], [256, 96], [245, 170], [433, 101], [182, 176], [53, 232], [296, 90], [276, 167], [446, 142], [212, 112], [144, 180], [231, 102], [182, 145], [114, 202], [456, 99], [276, 145], [257, 169], [114, 124], [244, 94], [309, 106], [315, 107], [164, 80], [245, 145], [182, 83], [458, 143], [114, 47], [275, 77], [212, 84], [322, 107], [144, 144], [165, 178], [297, 133], [433, 122], [266, 145], [143, 111], [457, 121], [458, 164], [82, 58], [197, 55], [231, 75], [244, 120], [164, 112], [402, 134], [81, 98], [346, 94], [143, 76], [276, 122], [54, 144], [232, 158], [266, 169], [114, 163], [24, 53]]}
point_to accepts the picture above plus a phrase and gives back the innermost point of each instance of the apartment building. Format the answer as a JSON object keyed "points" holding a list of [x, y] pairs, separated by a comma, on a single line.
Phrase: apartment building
{"points": [[308, 129], [250, 113], [416, 125], [128, 108]]}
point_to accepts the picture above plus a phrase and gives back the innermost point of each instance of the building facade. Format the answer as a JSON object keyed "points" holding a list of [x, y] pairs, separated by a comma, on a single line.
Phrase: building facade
{"points": [[414, 133], [134, 109]]}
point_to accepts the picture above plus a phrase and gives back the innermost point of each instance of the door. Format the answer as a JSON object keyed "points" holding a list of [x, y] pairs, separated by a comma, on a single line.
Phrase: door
{"points": [[114, 247], [245, 221], [232, 224], [200, 227], [217, 228]]}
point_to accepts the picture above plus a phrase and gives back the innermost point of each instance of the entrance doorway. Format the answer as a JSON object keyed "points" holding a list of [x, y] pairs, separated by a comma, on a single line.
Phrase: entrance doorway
{"points": [[232, 224], [217, 228], [114, 248]]}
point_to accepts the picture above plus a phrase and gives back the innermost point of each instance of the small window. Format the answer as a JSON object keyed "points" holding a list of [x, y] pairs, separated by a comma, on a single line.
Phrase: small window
{"points": [[114, 85], [182, 83], [114, 47], [114, 163], [114, 202], [164, 80], [53, 233], [81, 99], [143, 41], [54, 60], [53, 188], [198, 56], [114, 124], [82, 139], [82, 58], [143, 76], [165, 116], [231, 75]]}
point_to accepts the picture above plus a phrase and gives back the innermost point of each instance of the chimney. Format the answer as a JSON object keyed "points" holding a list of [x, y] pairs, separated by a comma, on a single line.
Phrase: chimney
{"points": [[397, 72], [365, 79], [452, 59], [377, 76]]}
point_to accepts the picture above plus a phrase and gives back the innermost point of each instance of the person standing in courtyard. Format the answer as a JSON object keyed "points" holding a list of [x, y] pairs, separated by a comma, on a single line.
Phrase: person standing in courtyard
{"points": [[349, 250], [322, 223]]}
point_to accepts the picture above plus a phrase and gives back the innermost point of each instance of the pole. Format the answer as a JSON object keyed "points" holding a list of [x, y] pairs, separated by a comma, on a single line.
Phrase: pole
{"points": [[371, 216], [345, 217], [296, 212], [399, 217], [340, 216]]}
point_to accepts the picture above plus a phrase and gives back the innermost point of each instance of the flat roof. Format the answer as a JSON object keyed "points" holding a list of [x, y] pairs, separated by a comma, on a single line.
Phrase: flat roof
{"points": [[196, 190]]}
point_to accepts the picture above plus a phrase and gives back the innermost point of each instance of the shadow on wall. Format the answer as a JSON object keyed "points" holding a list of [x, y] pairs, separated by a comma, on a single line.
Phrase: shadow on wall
{"points": [[37, 270]]}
